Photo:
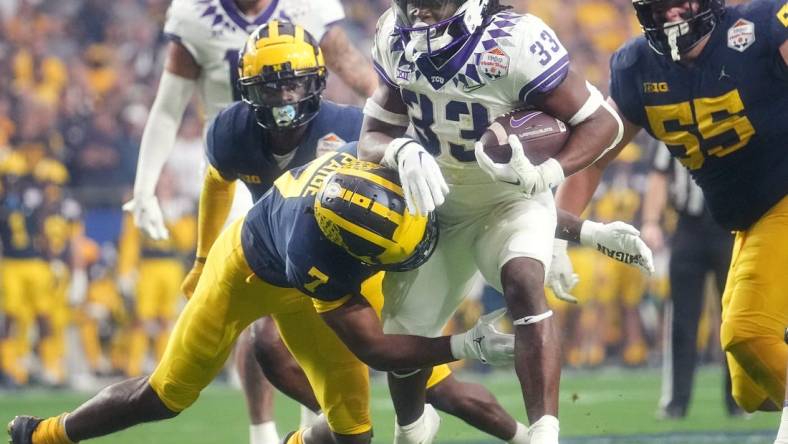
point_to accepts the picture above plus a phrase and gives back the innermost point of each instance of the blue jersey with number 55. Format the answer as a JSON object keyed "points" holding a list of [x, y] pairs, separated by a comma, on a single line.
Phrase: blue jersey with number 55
{"points": [[725, 116]]}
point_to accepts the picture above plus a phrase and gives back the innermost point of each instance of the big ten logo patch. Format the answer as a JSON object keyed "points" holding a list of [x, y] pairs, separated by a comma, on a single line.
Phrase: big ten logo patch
{"points": [[494, 64]]}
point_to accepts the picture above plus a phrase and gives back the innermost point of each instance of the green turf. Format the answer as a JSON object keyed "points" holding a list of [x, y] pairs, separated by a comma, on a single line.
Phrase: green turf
{"points": [[606, 406]]}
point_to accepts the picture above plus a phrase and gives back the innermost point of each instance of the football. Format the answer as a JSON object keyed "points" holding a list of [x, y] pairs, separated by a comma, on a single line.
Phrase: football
{"points": [[542, 135]]}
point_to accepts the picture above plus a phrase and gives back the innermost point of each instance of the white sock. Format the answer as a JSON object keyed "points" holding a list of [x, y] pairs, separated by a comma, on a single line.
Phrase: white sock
{"points": [[782, 434], [264, 433], [422, 430], [544, 431], [308, 417], [521, 435]]}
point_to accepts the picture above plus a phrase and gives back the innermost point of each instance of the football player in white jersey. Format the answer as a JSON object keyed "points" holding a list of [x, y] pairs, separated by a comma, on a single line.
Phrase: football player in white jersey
{"points": [[449, 67], [205, 37]]}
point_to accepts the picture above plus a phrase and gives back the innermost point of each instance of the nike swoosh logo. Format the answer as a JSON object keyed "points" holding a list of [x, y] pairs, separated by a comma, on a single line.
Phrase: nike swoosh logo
{"points": [[516, 123], [515, 183]]}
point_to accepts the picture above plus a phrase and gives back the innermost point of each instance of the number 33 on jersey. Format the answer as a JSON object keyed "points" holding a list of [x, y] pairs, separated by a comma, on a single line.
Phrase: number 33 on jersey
{"points": [[514, 59]]}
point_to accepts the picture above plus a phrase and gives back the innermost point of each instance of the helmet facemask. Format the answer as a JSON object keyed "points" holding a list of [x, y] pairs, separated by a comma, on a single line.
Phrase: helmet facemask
{"points": [[286, 99], [679, 37]]}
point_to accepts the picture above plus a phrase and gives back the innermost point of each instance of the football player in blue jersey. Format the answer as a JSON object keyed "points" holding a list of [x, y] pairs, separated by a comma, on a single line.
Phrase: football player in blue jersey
{"points": [[302, 254], [282, 123], [711, 81]]}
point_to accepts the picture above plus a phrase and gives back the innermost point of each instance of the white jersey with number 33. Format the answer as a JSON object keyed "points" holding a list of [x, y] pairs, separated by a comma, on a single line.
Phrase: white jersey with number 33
{"points": [[213, 31], [514, 59]]}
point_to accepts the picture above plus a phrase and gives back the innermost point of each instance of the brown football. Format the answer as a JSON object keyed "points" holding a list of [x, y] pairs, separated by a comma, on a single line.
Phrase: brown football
{"points": [[543, 136]]}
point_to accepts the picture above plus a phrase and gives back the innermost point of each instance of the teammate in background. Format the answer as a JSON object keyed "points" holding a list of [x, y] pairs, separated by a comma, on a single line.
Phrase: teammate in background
{"points": [[304, 237], [26, 277], [712, 83], [150, 273], [282, 123], [60, 228], [205, 37], [448, 68]]}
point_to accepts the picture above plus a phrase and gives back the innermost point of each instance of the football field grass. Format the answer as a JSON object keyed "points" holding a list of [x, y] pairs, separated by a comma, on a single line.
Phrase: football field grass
{"points": [[597, 407]]}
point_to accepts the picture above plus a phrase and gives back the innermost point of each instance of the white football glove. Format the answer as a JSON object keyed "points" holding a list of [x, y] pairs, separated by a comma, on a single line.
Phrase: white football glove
{"points": [[519, 171], [422, 181], [147, 216], [619, 241], [484, 342], [561, 278]]}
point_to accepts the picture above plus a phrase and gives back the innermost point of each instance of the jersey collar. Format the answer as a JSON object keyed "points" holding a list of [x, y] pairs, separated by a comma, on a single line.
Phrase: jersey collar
{"points": [[238, 17], [439, 76]]}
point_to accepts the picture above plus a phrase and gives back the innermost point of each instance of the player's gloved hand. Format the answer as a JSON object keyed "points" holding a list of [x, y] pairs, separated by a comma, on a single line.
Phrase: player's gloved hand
{"points": [[561, 278], [619, 241], [147, 216], [484, 342], [422, 181], [519, 171], [190, 282]]}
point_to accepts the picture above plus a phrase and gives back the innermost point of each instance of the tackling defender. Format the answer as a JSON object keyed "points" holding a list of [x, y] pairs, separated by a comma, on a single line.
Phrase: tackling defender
{"points": [[448, 67], [712, 83], [205, 37], [322, 231]]}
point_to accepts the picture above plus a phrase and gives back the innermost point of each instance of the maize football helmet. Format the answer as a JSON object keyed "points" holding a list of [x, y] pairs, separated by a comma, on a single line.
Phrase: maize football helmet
{"points": [[361, 207], [675, 38], [281, 74]]}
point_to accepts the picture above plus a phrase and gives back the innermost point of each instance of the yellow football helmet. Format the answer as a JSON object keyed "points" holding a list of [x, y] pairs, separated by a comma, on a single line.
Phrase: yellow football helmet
{"points": [[361, 207], [281, 74]]}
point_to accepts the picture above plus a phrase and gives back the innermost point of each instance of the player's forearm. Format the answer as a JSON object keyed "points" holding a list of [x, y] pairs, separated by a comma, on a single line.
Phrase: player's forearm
{"points": [[375, 139], [398, 352], [348, 63], [216, 199], [158, 137], [575, 193]]}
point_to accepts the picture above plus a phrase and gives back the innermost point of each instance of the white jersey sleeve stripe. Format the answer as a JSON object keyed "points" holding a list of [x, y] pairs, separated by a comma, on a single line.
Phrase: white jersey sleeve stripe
{"points": [[548, 80]]}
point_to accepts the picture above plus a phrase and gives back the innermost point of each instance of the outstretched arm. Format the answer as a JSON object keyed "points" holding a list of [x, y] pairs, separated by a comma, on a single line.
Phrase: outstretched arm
{"points": [[358, 326], [158, 138]]}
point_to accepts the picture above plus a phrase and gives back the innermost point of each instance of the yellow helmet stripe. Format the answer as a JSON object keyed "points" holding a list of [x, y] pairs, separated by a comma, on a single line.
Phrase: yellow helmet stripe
{"points": [[358, 231], [273, 29], [363, 201], [374, 178], [299, 34]]}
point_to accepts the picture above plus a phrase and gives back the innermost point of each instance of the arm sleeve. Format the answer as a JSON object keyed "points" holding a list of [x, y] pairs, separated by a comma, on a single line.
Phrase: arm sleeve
{"points": [[158, 137], [216, 199]]}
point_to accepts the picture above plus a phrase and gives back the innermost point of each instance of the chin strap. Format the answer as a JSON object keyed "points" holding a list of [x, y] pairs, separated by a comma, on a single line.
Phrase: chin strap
{"points": [[528, 320]]}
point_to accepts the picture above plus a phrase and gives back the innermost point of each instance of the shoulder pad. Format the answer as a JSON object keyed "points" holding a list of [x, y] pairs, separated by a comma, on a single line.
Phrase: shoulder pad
{"points": [[628, 54]]}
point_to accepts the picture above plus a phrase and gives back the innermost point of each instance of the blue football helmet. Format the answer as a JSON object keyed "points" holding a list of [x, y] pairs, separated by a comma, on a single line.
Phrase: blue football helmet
{"points": [[456, 20], [676, 38]]}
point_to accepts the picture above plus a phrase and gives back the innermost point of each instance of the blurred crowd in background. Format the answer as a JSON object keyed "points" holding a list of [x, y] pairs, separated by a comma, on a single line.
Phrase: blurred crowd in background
{"points": [[76, 80]]}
